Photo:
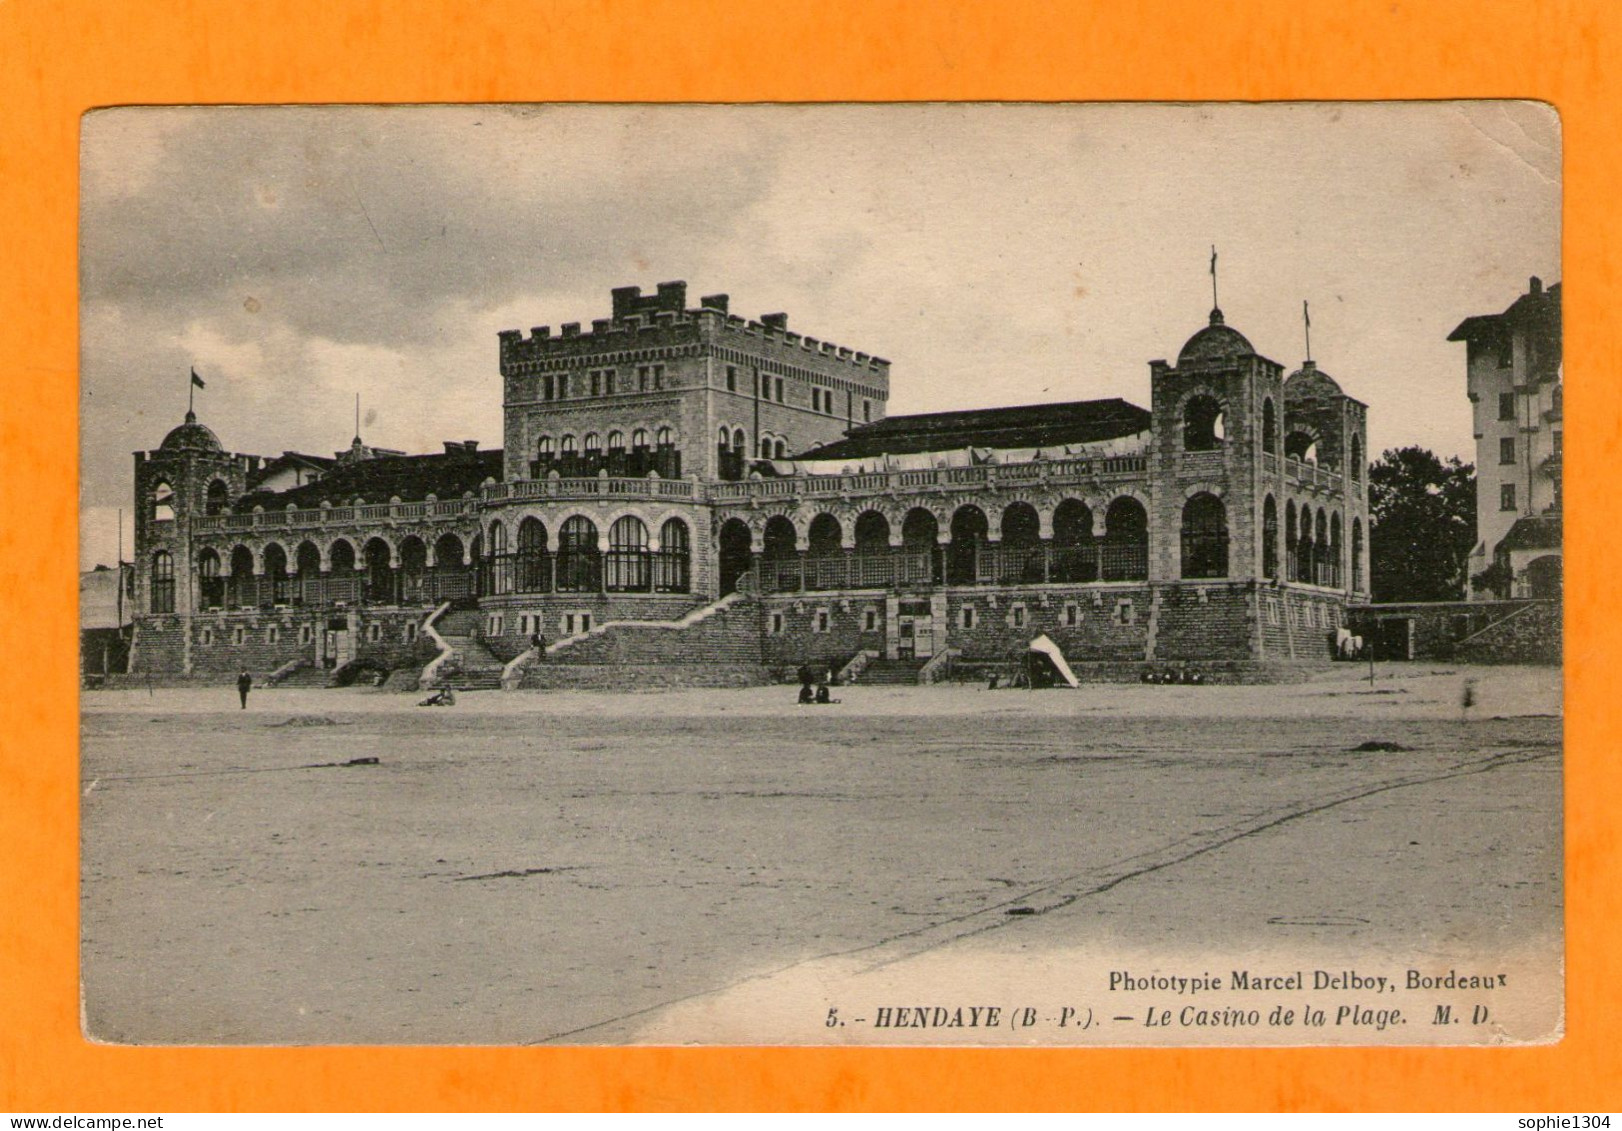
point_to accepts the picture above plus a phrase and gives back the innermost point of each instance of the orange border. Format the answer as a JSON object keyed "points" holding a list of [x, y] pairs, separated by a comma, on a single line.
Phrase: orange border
{"points": [[61, 57]]}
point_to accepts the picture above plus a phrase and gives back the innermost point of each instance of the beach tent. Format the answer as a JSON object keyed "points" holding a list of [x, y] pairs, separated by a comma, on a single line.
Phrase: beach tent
{"points": [[1045, 652]]}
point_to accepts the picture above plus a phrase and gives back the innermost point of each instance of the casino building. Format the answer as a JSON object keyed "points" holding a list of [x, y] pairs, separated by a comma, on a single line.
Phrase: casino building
{"points": [[688, 496]]}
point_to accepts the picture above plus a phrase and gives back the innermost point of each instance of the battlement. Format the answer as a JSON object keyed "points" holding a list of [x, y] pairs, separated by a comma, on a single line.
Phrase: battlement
{"points": [[662, 316]]}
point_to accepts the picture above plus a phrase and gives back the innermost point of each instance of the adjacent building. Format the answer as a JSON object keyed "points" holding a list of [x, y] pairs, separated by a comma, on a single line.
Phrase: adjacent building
{"points": [[1513, 371]]}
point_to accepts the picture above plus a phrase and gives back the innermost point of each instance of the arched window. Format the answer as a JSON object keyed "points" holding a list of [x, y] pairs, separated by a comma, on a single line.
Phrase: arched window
{"points": [[1269, 538], [970, 533], [920, 537], [379, 573], [240, 589], [735, 553], [1357, 555], [413, 569], [579, 565], [871, 566], [1075, 551], [216, 500], [780, 567], [277, 588], [824, 556], [628, 566], [568, 446], [765, 447], [1125, 553], [824, 537], [1334, 549], [593, 445], [666, 438], [1292, 544], [532, 561], [1301, 445], [779, 542], [639, 439], [739, 441], [1306, 554], [1202, 424], [1321, 559], [667, 460], [1205, 537], [163, 582], [616, 441], [341, 557], [163, 503], [307, 560], [1269, 427], [1021, 545], [211, 586], [673, 564], [1356, 463]]}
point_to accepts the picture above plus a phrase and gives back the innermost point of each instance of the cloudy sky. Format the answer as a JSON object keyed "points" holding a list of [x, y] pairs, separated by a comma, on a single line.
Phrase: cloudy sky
{"points": [[995, 254]]}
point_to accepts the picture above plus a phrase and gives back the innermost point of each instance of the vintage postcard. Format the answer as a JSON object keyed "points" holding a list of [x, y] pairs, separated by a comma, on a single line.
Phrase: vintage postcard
{"points": [[971, 574]]}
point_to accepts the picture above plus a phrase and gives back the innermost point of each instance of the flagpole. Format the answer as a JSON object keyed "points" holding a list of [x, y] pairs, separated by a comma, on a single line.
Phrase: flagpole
{"points": [[191, 391], [1307, 319], [1215, 305]]}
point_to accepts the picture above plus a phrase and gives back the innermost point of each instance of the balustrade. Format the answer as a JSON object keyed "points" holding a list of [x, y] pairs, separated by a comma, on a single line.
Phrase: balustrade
{"points": [[988, 565]]}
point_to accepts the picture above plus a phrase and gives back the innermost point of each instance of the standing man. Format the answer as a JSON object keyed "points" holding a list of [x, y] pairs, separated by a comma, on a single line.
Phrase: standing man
{"points": [[244, 685]]}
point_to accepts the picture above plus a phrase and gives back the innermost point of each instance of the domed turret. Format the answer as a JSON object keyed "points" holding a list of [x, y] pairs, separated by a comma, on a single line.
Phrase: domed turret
{"points": [[1310, 381], [191, 436], [1216, 342]]}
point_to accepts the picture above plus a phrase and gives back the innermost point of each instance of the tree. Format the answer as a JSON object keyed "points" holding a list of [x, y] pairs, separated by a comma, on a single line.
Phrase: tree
{"points": [[1422, 526]]}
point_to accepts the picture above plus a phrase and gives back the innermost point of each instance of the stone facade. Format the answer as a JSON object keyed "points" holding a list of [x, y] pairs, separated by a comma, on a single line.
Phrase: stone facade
{"points": [[681, 487]]}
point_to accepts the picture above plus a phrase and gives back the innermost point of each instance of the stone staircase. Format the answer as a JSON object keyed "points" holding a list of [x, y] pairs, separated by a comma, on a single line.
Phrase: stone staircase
{"points": [[717, 645], [891, 673], [476, 667]]}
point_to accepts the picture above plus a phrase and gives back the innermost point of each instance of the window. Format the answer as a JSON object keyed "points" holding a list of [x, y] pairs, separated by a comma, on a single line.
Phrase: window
{"points": [[642, 378], [1506, 497], [732, 378], [273, 635], [819, 622], [566, 624], [1272, 612], [596, 382], [163, 582], [374, 632], [1554, 438], [585, 622], [410, 633], [867, 412], [1017, 616], [1072, 616], [1506, 406], [765, 386], [608, 381], [497, 625], [306, 634], [870, 620], [163, 503], [207, 637], [966, 617], [1506, 450], [658, 376], [239, 636], [780, 399], [777, 624], [1124, 614], [782, 449]]}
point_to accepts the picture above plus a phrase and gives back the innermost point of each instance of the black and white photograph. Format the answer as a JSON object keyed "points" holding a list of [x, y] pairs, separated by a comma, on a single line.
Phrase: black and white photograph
{"points": [[982, 574]]}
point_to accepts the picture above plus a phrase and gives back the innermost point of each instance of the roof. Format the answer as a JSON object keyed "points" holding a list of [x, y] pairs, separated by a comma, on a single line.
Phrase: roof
{"points": [[318, 464], [1309, 381], [1534, 532], [1536, 309], [446, 475], [1022, 426], [191, 436], [1215, 342]]}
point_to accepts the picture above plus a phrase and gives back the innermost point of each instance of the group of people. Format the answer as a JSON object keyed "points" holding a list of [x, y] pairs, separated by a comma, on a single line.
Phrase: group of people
{"points": [[821, 693]]}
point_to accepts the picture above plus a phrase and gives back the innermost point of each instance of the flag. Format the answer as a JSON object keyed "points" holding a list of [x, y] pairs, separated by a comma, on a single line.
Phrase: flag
{"points": [[196, 380]]}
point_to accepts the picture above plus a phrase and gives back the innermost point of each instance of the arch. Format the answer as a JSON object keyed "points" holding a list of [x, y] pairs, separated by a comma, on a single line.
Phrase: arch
{"points": [[920, 556], [1334, 549], [970, 533], [592, 446], [1125, 553], [239, 584], [1301, 444], [779, 540], [163, 503], [664, 438], [781, 449], [739, 440], [216, 499], [616, 441], [1269, 427], [735, 556], [1205, 537], [544, 449], [872, 533], [377, 556], [1020, 554], [765, 446], [1269, 538], [1320, 550], [1357, 555], [579, 561], [824, 537], [448, 551], [673, 569], [1292, 544], [1545, 577], [531, 573], [341, 556], [277, 588], [210, 584], [1202, 423], [162, 598], [628, 565], [1075, 549], [1306, 551], [639, 438], [1355, 464], [568, 446]]}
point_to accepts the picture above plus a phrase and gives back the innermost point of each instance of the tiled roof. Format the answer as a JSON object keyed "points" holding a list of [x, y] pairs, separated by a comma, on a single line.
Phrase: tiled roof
{"points": [[1023, 426], [412, 478], [1539, 310], [1534, 532]]}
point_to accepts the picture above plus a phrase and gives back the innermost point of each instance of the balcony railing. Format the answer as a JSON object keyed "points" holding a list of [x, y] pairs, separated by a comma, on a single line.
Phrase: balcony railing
{"points": [[589, 571], [598, 488], [817, 486], [963, 565], [315, 590], [370, 515], [1310, 474], [1310, 565]]}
